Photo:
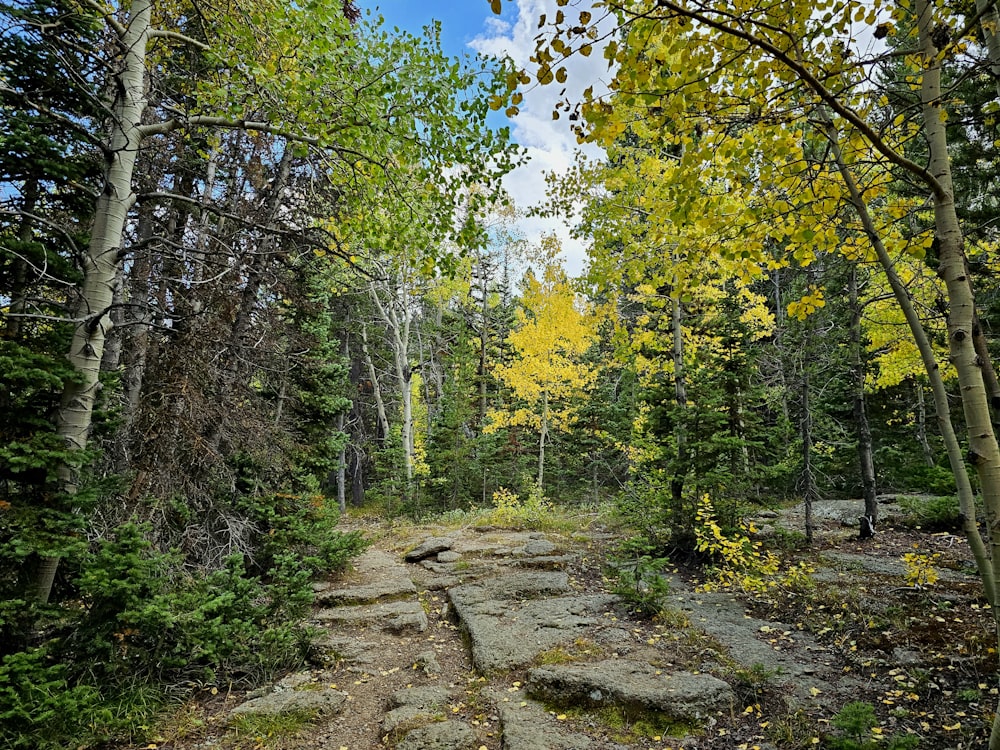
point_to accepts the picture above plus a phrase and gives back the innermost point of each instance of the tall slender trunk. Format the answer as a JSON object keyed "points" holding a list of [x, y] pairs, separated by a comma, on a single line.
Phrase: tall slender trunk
{"points": [[543, 437], [484, 340], [397, 316], [809, 492], [983, 453], [380, 411], [342, 467], [921, 423], [956, 460], [345, 352], [865, 458], [680, 401], [100, 265]]}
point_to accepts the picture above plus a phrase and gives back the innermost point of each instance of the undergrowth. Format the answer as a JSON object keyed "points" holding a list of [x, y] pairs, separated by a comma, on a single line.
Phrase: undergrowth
{"points": [[136, 626]]}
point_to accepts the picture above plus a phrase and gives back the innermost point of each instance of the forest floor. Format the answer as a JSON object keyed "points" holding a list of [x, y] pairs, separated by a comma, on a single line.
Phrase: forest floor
{"points": [[456, 637]]}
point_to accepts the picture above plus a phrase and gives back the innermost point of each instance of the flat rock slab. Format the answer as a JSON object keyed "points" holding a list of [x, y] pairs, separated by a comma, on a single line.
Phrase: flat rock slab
{"points": [[425, 697], [517, 585], [375, 575], [445, 735], [526, 725], [888, 566], [329, 648], [414, 707], [844, 512], [536, 547], [504, 633], [323, 702], [429, 547], [775, 646], [632, 685], [393, 617]]}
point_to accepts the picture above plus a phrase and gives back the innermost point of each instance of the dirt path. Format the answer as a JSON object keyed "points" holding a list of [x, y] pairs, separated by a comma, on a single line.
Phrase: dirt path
{"points": [[493, 639], [498, 639]]}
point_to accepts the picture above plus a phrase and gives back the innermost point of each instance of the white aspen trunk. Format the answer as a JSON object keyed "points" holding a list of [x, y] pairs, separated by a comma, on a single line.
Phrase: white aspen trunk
{"points": [[383, 417], [398, 318], [101, 263], [989, 22], [983, 453], [966, 498]]}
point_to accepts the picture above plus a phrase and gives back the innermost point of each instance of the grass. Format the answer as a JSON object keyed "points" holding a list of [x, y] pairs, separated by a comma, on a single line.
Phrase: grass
{"points": [[268, 730], [581, 650]]}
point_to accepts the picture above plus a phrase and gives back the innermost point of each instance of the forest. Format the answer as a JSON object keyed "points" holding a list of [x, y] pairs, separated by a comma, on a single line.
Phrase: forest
{"points": [[258, 273]]}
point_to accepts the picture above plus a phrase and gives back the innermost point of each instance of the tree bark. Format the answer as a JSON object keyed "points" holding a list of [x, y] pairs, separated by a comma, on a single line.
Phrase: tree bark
{"points": [[921, 420], [983, 453], [680, 401], [805, 428], [380, 411], [542, 438], [397, 315], [861, 425], [100, 265], [956, 460]]}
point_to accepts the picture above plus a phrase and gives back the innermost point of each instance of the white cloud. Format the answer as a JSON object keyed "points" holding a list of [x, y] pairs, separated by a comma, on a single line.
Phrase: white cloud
{"points": [[551, 144]]}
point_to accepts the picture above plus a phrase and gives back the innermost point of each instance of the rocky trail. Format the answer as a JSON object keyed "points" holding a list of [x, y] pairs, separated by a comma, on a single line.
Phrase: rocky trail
{"points": [[448, 639]]}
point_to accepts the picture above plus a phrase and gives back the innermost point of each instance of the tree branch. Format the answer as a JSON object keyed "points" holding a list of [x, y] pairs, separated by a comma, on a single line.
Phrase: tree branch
{"points": [[824, 94], [164, 34]]}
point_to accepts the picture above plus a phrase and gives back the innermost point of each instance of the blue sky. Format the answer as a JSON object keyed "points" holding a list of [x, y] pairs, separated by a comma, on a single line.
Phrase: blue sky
{"points": [[461, 20], [469, 26]]}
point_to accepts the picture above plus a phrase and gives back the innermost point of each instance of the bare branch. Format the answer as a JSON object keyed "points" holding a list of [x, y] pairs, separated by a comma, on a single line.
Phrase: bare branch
{"points": [[107, 15], [175, 36]]}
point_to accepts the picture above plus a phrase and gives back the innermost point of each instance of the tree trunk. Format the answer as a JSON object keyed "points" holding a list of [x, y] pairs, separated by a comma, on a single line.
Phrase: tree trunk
{"points": [[865, 457], [983, 453], [966, 498], [342, 468], [100, 266], [921, 420], [397, 316], [805, 427], [680, 401], [380, 411], [543, 437]]}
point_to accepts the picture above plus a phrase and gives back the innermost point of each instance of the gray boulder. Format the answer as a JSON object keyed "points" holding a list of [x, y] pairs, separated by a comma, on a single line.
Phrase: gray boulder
{"points": [[506, 632], [393, 617], [414, 707], [321, 703], [445, 735], [631, 685], [429, 547], [526, 725], [376, 575]]}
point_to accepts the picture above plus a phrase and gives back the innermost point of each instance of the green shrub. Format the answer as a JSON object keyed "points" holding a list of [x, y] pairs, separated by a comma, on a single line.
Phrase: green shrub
{"points": [[140, 621], [934, 513], [636, 576], [855, 722], [40, 709]]}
